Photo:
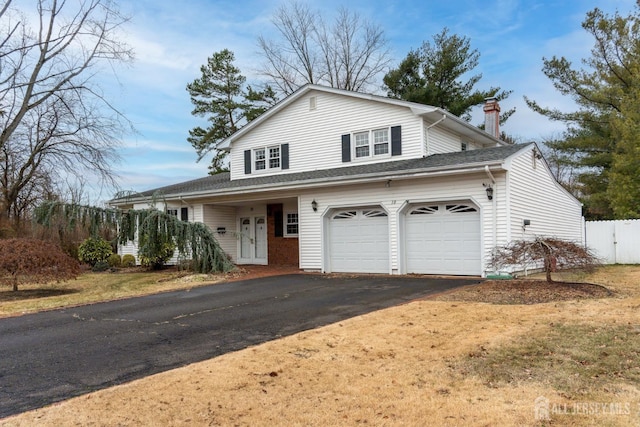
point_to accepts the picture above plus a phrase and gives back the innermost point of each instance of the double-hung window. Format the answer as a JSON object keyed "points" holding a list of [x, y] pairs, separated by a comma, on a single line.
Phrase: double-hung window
{"points": [[380, 141], [274, 157], [362, 144], [267, 158], [259, 155], [291, 224], [372, 143]]}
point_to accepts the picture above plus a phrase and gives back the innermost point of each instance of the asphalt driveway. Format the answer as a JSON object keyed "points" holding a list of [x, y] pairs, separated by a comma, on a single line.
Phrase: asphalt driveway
{"points": [[55, 355]]}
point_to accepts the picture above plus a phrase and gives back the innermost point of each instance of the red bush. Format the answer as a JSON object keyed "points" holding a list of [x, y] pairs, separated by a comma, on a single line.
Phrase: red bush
{"points": [[34, 261]]}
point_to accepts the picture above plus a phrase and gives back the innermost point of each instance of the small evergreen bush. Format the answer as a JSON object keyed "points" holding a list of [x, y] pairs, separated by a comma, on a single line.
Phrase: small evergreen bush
{"points": [[157, 258], [128, 260], [114, 260], [100, 266], [94, 250]]}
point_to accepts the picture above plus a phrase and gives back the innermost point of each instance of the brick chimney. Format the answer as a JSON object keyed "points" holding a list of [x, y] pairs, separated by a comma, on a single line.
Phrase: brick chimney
{"points": [[492, 117]]}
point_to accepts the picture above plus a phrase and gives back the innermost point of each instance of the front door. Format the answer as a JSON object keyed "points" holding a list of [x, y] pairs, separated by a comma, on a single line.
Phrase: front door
{"points": [[253, 240]]}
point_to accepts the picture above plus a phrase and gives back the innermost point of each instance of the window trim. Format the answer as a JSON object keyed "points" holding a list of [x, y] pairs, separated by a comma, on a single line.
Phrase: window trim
{"points": [[371, 144], [267, 158], [285, 221]]}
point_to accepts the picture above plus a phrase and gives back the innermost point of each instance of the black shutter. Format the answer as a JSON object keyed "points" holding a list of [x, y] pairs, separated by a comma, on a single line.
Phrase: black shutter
{"points": [[278, 223], [396, 141], [247, 162], [184, 214], [346, 148], [284, 152]]}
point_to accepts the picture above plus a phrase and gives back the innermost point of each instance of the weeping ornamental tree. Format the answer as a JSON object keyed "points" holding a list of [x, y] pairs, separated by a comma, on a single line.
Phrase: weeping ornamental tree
{"points": [[151, 228], [550, 253]]}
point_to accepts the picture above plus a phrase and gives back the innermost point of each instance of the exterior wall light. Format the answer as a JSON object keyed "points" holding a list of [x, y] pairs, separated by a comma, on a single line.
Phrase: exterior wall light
{"points": [[314, 205], [489, 190]]}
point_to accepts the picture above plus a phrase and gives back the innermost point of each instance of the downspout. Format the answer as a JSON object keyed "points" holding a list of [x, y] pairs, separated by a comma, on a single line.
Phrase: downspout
{"points": [[425, 153], [494, 208]]}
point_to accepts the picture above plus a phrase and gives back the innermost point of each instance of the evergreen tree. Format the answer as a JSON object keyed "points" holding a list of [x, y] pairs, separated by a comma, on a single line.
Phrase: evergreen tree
{"points": [[599, 141], [433, 75], [220, 96], [624, 181]]}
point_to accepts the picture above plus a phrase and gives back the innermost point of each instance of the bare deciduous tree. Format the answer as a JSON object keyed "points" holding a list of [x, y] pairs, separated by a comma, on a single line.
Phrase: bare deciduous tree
{"points": [[349, 54], [54, 118]]}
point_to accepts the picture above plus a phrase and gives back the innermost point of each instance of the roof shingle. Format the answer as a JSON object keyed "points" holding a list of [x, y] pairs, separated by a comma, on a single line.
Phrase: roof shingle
{"points": [[213, 183]]}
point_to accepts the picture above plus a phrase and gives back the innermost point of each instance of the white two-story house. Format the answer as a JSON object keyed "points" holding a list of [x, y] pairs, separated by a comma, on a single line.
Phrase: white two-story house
{"points": [[337, 181]]}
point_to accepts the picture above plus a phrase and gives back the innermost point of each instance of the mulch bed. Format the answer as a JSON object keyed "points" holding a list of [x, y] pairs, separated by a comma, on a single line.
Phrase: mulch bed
{"points": [[526, 291]]}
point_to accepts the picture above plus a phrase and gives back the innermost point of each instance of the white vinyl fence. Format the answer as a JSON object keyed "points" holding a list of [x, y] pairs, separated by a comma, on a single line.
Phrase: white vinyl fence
{"points": [[615, 242]]}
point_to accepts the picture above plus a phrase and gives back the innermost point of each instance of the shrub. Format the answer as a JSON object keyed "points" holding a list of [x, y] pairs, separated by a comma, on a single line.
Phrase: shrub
{"points": [[550, 253], [158, 257], [128, 260], [93, 250], [100, 266], [34, 261], [114, 260]]}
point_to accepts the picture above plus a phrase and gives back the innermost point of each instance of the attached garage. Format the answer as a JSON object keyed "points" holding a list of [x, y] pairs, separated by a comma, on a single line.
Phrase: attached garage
{"points": [[359, 241], [443, 239]]}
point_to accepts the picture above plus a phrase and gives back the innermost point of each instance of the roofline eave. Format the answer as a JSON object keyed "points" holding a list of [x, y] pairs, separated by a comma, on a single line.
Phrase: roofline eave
{"points": [[322, 181]]}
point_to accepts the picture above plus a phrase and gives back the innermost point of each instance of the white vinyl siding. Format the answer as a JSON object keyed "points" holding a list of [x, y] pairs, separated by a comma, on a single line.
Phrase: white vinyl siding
{"points": [[222, 217], [536, 196], [442, 141], [317, 144]]}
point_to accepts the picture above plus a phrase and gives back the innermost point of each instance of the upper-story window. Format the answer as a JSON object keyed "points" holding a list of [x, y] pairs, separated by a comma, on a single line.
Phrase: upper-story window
{"points": [[381, 141], [375, 142], [266, 158], [362, 144]]}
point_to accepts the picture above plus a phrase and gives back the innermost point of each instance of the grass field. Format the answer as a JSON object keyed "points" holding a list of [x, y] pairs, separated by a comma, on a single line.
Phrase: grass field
{"points": [[428, 362]]}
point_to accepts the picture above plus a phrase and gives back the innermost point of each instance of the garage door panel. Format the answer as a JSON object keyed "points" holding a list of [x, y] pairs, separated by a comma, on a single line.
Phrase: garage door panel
{"points": [[443, 239], [359, 241]]}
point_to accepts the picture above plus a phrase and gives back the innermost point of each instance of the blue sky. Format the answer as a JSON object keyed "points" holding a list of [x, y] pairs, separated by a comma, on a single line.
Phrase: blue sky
{"points": [[172, 39]]}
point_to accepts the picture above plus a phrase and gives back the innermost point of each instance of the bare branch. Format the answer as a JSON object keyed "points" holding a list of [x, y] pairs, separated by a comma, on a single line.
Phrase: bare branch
{"points": [[54, 119], [349, 54]]}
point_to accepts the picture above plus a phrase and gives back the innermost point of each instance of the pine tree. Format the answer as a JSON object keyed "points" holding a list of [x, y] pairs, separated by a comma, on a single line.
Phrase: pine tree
{"points": [[220, 96], [599, 141], [433, 75]]}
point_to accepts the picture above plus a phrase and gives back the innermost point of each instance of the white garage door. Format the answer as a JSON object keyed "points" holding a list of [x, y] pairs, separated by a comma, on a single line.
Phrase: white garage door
{"points": [[443, 239], [359, 241]]}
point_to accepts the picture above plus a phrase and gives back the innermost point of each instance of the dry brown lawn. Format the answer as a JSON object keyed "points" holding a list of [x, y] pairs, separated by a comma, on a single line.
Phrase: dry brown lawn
{"points": [[428, 362]]}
